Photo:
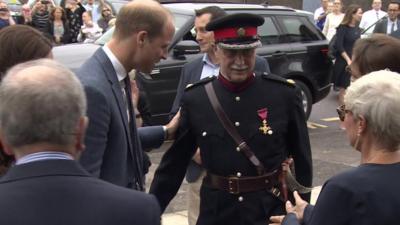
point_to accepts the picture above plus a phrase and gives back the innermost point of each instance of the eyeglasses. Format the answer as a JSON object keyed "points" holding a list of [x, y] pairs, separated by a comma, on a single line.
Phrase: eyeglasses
{"points": [[341, 111]]}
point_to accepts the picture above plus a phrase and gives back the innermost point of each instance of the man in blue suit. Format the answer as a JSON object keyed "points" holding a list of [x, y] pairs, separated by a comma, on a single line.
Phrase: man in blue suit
{"points": [[390, 24], [202, 67], [114, 146], [43, 122]]}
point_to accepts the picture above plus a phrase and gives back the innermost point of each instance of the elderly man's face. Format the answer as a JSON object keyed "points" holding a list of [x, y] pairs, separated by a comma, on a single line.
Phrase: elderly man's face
{"points": [[236, 65], [393, 11]]}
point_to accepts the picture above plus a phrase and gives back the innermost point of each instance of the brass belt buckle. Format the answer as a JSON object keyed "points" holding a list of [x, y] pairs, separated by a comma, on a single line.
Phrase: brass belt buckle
{"points": [[233, 185]]}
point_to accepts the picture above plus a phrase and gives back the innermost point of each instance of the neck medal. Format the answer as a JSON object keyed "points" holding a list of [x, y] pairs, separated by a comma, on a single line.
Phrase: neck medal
{"points": [[264, 128]]}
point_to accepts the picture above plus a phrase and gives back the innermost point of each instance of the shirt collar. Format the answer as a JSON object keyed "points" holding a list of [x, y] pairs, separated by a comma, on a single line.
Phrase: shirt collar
{"points": [[39, 156], [206, 60], [118, 67]]}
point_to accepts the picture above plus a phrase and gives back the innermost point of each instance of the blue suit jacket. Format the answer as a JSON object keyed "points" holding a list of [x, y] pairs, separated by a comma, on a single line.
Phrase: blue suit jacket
{"points": [[381, 27], [113, 146], [61, 192], [191, 73]]}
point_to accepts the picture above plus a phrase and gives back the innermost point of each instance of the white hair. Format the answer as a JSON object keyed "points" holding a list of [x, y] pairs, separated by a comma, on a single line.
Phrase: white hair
{"points": [[376, 97], [41, 101]]}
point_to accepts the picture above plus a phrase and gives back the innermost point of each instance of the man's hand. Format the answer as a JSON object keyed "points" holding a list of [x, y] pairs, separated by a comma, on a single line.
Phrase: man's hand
{"points": [[135, 93], [298, 210], [197, 156], [172, 126], [276, 220]]}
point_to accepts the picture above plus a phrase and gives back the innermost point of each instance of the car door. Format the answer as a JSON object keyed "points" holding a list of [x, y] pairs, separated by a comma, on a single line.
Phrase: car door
{"points": [[274, 47], [161, 84]]}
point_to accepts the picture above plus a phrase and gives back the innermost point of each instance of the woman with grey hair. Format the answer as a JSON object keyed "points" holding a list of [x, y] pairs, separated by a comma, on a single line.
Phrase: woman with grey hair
{"points": [[367, 194]]}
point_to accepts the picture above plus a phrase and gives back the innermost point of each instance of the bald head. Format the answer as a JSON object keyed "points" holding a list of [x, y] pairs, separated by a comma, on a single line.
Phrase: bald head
{"points": [[141, 15], [41, 101]]}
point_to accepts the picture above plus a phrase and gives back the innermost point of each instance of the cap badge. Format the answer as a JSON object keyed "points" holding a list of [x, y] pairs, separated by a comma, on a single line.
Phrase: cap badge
{"points": [[241, 32], [264, 128]]}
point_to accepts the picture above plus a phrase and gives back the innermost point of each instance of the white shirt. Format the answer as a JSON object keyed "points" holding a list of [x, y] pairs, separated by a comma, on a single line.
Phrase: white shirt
{"points": [[209, 68], [389, 26], [318, 12], [94, 8], [369, 18], [117, 65], [331, 23]]}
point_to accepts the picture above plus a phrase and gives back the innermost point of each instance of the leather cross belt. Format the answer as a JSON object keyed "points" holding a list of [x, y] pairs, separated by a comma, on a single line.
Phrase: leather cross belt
{"points": [[236, 185]]}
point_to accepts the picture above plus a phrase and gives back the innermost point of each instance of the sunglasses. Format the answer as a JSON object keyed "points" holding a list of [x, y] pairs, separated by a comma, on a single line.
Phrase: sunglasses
{"points": [[341, 111]]}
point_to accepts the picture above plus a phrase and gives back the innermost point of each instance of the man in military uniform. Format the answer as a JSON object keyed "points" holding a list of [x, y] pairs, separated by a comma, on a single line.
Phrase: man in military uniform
{"points": [[265, 110]]}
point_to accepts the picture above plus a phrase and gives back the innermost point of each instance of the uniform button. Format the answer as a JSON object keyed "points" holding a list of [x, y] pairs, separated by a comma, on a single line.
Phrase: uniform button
{"points": [[204, 134], [237, 98], [240, 199], [237, 124], [238, 174], [237, 149]]}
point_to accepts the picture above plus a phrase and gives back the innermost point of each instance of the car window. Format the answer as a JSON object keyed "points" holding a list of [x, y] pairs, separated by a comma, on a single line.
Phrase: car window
{"points": [[297, 30], [268, 32], [179, 21]]}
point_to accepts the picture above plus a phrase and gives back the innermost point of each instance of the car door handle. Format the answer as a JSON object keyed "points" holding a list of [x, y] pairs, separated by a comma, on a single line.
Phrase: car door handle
{"points": [[155, 72], [278, 54]]}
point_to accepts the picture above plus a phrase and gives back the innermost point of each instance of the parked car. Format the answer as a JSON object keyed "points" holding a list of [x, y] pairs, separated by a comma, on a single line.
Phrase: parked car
{"points": [[293, 46]]}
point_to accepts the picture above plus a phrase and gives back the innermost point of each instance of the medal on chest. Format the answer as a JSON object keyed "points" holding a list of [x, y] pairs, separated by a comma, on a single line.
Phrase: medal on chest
{"points": [[264, 128]]}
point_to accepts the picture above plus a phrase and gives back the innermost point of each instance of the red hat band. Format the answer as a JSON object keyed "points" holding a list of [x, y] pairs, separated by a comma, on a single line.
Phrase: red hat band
{"points": [[234, 32]]}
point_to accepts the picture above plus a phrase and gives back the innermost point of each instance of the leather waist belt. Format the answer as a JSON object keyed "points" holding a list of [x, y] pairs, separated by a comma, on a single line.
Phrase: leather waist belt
{"points": [[236, 185]]}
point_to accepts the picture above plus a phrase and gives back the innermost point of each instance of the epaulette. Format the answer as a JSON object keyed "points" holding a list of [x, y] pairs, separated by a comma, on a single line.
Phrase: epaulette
{"points": [[273, 77], [200, 82]]}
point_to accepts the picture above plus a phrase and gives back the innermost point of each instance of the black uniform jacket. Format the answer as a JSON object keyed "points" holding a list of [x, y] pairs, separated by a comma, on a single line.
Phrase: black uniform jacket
{"points": [[199, 126]]}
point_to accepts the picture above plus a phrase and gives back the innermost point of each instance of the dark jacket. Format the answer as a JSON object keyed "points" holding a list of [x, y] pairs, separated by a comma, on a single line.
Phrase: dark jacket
{"points": [[60, 192], [200, 127]]}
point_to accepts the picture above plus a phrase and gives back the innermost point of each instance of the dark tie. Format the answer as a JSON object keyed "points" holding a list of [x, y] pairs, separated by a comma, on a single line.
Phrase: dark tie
{"points": [[136, 149]]}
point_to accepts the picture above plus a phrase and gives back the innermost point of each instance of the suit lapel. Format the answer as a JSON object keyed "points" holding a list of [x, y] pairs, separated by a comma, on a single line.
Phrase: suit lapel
{"points": [[117, 91], [197, 70]]}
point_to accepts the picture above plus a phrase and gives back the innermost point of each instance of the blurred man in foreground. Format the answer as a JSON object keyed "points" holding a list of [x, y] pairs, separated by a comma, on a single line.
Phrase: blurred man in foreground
{"points": [[43, 123]]}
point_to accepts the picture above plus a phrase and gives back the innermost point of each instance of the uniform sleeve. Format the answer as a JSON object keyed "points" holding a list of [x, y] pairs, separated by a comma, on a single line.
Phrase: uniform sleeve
{"points": [[171, 171], [299, 143], [96, 134]]}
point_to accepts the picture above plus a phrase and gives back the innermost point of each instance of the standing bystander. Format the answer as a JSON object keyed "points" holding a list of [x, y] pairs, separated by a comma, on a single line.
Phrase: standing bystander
{"points": [[392, 23], [321, 13], [43, 123], [370, 17]]}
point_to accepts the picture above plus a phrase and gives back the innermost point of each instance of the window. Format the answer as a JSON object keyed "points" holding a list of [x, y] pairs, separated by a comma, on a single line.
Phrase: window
{"points": [[268, 32], [296, 29]]}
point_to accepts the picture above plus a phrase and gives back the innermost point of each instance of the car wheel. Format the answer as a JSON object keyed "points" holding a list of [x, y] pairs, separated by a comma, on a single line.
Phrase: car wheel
{"points": [[306, 97]]}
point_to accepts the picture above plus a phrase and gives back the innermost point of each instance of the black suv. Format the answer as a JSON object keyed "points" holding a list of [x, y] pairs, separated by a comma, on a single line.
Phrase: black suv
{"points": [[293, 46]]}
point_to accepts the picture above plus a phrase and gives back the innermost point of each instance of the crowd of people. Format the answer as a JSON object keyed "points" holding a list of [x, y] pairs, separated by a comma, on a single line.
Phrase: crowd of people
{"points": [[71, 21], [73, 153], [344, 29]]}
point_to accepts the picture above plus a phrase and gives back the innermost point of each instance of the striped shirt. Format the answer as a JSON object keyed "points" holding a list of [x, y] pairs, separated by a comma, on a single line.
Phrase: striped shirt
{"points": [[40, 156]]}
